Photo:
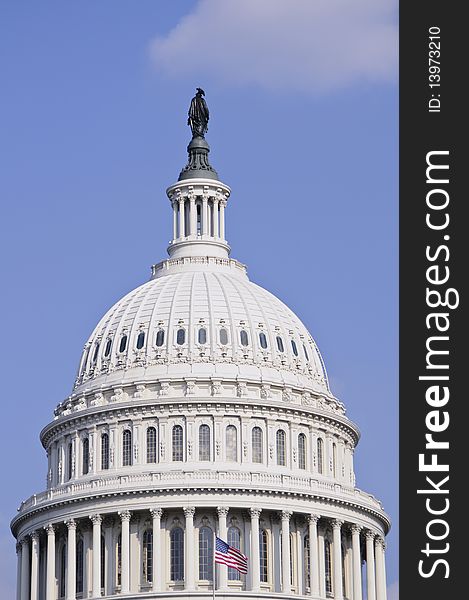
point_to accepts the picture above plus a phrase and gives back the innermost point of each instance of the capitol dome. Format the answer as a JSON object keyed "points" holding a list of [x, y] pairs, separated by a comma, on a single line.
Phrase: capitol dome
{"points": [[201, 411]]}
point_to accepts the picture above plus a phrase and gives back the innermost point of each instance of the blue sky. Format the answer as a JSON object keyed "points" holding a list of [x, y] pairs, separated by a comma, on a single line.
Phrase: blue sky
{"points": [[303, 100]]}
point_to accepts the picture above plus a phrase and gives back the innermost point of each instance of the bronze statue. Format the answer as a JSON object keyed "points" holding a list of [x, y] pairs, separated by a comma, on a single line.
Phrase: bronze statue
{"points": [[198, 114]]}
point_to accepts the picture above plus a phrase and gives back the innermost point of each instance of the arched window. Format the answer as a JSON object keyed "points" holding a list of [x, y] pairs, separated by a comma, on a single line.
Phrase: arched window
{"points": [[63, 570], [302, 451], [180, 336], [199, 218], [294, 348], [177, 554], [306, 555], [123, 343], [263, 556], [107, 348], [79, 567], [234, 540], [95, 353], [328, 566], [159, 338], [306, 352], [140, 340], [104, 451], [243, 337], [204, 442], [151, 445], [320, 447], [178, 447], [231, 442], [281, 459], [70, 461], [223, 337], [86, 456], [103, 561], [147, 556], [280, 344], [334, 460], [206, 553], [126, 448], [257, 450], [262, 340], [202, 336]]}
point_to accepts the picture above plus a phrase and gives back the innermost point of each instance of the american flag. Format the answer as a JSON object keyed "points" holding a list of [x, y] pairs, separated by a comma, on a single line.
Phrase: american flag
{"points": [[229, 556]]}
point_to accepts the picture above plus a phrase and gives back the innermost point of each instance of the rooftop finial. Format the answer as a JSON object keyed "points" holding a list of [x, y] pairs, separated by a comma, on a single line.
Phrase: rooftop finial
{"points": [[198, 114]]}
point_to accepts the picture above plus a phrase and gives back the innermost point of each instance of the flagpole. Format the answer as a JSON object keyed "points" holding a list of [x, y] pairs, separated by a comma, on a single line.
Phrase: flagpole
{"points": [[214, 575]]}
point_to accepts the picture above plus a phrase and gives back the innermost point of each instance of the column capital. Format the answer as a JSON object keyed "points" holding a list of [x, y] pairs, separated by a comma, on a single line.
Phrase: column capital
{"points": [[18, 547], [255, 512], [156, 513], [313, 518], [336, 523], [71, 524], [35, 535], [286, 515], [24, 541], [355, 528], [50, 529], [189, 512], [96, 519], [222, 511], [380, 541], [124, 515], [370, 535]]}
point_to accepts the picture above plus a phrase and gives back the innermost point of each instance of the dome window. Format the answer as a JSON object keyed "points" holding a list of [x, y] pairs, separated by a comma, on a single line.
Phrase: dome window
{"points": [[181, 337], [280, 344], [306, 352], [160, 338], [140, 340], [123, 343], [243, 337], [223, 337], [263, 340], [202, 335], [95, 354], [294, 348], [107, 348]]}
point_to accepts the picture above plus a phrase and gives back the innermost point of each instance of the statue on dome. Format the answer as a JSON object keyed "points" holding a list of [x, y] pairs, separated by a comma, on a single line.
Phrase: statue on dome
{"points": [[198, 114]]}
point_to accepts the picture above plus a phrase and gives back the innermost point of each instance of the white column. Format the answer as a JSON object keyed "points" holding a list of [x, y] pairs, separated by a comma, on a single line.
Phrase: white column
{"points": [[50, 567], [205, 227], [96, 590], [313, 554], [181, 218], [34, 565], [215, 217], [71, 559], [286, 585], [223, 534], [156, 514], [357, 562], [370, 566], [222, 219], [192, 216], [109, 555], [189, 512], [337, 562], [125, 552], [25, 570], [174, 205], [18, 571], [255, 565], [380, 569]]}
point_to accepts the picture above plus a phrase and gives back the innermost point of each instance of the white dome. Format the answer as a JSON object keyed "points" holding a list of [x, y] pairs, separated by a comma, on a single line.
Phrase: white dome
{"points": [[210, 303]]}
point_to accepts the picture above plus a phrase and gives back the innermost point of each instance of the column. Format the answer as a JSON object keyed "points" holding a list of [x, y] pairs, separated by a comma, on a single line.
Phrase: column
{"points": [[174, 205], [223, 534], [157, 575], [96, 589], [18, 571], [192, 216], [205, 227], [255, 566], [189, 512], [109, 550], [50, 568], [286, 585], [34, 565], [71, 559], [337, 562], [357, 562], [125, 552], [222, 219], [370, 566], [181, 218], [322, 564], [313, 554], [380, 569], [215, 217], [25, 576]]}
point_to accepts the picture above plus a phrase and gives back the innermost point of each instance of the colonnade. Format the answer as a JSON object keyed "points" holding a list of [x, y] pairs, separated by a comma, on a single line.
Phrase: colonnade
{"points": [[320, 567], [195, 216]]}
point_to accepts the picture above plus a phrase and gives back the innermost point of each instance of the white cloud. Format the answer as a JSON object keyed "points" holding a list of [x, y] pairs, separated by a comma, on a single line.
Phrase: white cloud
{"points": [[393, 591], [304, 45]]}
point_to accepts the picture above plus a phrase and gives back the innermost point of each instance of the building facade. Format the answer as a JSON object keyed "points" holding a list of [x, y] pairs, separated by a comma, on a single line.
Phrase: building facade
{"points": [[201, 405]]}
